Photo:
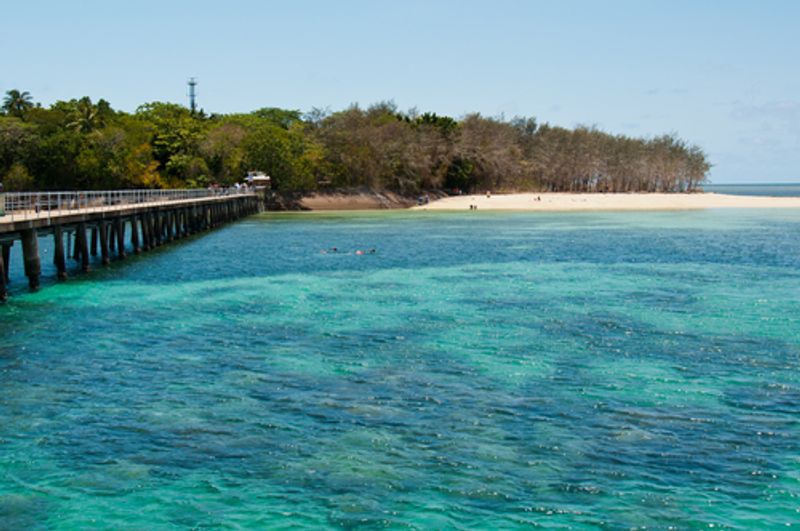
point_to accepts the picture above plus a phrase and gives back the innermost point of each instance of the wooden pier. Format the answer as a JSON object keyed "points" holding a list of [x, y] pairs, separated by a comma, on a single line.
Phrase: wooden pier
{"points": [[109, 223]]}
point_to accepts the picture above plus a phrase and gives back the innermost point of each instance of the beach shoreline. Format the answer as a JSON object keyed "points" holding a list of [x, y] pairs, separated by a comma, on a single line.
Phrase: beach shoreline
{"points": [[575, 202], [540, 202]]}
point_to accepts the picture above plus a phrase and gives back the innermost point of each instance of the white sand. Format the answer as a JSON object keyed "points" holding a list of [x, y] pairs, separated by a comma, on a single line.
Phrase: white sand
{"points": [[637, 201]]}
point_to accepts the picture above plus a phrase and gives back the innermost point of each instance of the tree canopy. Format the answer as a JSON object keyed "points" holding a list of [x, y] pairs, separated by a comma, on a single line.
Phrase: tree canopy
{"points": [[81, 144], [17, 103]]}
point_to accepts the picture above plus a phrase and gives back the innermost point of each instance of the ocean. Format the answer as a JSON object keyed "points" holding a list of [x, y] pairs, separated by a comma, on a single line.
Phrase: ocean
{"points": [[764, 189], [478, 370]]}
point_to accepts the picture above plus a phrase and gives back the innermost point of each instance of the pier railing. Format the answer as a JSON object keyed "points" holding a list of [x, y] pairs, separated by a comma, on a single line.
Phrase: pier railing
{"points": [[37, 205]]}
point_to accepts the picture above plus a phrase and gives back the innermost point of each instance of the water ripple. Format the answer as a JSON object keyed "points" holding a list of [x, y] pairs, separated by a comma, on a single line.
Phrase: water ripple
{"points": [[500, 371]]}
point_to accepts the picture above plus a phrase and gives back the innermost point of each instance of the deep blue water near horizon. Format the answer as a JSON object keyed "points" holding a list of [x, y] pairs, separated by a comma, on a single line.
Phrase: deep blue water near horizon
{"points": [[481, 370], [761, 189]]}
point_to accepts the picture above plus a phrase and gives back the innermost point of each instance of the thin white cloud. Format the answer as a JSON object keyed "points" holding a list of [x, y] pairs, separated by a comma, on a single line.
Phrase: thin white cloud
{"points": [[779, 110]]}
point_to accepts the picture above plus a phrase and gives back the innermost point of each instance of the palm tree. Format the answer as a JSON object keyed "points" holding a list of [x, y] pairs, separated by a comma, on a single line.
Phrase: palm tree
{"points": [[85, 116], [17, 103]]}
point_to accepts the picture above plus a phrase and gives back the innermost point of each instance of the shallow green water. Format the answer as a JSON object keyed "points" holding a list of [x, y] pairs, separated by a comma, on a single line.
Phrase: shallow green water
{"points": [[478, 371]]}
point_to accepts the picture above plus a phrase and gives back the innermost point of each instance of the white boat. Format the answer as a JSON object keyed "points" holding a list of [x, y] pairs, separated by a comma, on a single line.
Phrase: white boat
{"points": [[258, 179]]}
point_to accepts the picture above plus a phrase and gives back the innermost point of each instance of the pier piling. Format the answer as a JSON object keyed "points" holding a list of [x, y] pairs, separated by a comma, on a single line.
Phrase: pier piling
{"points": [[146, 238], [30, 254], [3, 289], [137, 248], [76, 250], [6, 257], [112, 237], [104, 255], [120, 230], [153, 223], [59, 260], [94, 241], [82, 242]]}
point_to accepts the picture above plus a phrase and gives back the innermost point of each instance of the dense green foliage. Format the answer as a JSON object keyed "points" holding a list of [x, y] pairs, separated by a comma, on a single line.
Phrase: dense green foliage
{"points": [[79, 144]]}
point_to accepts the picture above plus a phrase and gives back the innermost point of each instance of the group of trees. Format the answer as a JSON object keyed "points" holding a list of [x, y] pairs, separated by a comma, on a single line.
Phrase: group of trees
{"points": [[81, 144]]}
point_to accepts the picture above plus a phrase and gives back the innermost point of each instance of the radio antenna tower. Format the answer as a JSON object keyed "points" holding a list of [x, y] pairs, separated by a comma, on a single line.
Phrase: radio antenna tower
{"points": [[192, 95]]}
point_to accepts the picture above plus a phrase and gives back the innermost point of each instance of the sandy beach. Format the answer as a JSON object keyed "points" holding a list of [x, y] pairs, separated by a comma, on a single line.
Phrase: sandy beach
{"points": [[635, 201]]}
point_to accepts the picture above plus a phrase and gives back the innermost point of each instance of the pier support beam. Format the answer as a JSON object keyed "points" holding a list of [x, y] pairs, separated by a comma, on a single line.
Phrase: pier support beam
{"points": [[59, 260], [94, 241], [112, 237], [182, 223], [3, 289], [103, 226], [6, 257], [171, 225], [76, 249], [153, 220], [146, 237], [137, 248], [153, 227], [30, 253], [158, 228], [82, 243], [165, 224], [120, 230]]}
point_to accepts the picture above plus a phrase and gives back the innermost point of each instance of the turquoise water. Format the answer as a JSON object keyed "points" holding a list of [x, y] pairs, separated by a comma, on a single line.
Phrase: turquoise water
{"points": [[585, 371]]}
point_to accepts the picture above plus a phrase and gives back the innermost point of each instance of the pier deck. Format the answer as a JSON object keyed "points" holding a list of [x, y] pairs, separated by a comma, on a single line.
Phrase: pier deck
{"points": [[102, 219]]}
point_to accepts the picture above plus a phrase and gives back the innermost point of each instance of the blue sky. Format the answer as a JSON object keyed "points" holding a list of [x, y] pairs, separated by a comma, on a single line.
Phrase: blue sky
{"points": [[722, 74]]}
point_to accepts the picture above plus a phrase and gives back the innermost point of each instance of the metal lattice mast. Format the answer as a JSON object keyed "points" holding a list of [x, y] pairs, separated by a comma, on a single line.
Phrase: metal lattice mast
{"points": [[192, 94]]}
